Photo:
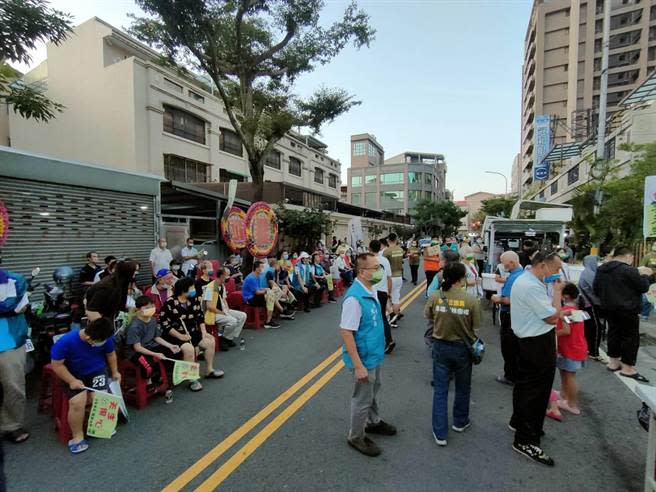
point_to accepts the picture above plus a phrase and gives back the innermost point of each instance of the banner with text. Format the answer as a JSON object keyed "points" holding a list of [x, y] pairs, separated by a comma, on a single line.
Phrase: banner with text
{"points": [[649, 216], [541, 147], [183, 370], [103, 415]]}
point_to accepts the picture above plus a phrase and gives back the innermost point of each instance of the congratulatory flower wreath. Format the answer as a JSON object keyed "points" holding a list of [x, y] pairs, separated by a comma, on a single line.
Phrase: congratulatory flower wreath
{"points": [[261, 229]]}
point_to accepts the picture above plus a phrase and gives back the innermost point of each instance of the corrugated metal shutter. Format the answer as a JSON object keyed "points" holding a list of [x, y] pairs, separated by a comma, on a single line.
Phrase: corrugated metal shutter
{"points": [[53, 225]]}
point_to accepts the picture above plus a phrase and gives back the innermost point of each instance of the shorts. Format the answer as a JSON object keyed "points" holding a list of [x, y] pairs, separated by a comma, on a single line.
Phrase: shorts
{"points": [[196, 338], [569, 365], [97, 380], [147, 364], [397, 282], [258, 300]]}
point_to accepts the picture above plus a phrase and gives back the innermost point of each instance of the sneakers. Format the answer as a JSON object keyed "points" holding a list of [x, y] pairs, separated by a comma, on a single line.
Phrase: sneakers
{"points": [[389, 347], [271, 325], [504, 380], [168, 396], [287, 316], [439, 442], [382, 428], [394, 325], [195, 386], [463, 428], [365, 445], [534, 453], [215, 374]]}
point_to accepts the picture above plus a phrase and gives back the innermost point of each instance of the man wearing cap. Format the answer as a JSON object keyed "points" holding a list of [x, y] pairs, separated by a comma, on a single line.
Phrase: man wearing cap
{"points": [[160, 257], [162, 290]]}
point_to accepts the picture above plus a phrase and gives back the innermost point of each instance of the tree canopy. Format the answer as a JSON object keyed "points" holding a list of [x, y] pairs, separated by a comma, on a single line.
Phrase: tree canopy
{"points": [[437, 218], [620, 215], [254, 51], [24, 23], [304, 228]]}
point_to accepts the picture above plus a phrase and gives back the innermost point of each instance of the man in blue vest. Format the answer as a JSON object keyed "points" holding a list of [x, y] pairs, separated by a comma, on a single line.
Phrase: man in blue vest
{"points": [[363, 333]]}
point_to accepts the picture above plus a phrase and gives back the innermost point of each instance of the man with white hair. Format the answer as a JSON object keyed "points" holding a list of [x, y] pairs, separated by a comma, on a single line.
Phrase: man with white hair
{"points": [[510, 261]]}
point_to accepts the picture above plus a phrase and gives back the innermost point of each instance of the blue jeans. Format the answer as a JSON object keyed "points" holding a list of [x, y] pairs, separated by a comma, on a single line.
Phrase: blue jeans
{"points": [[450, 359], [645, 309]]}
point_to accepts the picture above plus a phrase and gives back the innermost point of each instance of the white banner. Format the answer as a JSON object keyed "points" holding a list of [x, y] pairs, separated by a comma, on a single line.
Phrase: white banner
{"points": [[355, 231]]}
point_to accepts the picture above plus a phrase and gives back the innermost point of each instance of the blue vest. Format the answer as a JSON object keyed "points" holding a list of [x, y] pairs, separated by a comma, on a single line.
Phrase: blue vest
{"points": [[370, 337], [13, 326], [303, 272]]}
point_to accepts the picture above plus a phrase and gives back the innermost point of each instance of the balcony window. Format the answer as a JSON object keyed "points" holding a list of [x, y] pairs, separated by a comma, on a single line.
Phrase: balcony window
{"points": [[391, 199], [295, 166], [554, 187], [391, 178], [355, 199], [184, 124], [332, 181], [573, 175], [230, 142], [373, 152], [358, 148], [318, 175], [370, 200], [428, 179], [272, 159], [609, 149], [177, 168], [414, 196], [370, 179], [356, 181], [414, 177]]}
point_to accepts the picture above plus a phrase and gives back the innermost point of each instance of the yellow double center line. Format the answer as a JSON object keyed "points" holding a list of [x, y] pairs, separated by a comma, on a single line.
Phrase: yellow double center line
{"points": [[224, 471]]}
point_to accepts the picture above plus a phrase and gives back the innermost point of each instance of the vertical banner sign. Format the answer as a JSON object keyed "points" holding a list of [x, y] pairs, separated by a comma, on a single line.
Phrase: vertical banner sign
{"points": [[103, 415], [649, 216], [542, 144], [355, 231]]}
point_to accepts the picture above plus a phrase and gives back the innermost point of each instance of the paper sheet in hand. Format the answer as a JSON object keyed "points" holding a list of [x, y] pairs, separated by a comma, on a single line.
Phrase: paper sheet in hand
{"points": [[115, 389]]}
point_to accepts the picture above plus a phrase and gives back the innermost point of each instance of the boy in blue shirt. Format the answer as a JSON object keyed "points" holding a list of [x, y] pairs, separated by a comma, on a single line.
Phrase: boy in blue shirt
{"points": [[80, 359]]}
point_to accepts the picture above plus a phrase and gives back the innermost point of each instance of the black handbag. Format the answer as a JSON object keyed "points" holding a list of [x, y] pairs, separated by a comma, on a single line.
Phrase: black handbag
{"points": [[477, 348]]}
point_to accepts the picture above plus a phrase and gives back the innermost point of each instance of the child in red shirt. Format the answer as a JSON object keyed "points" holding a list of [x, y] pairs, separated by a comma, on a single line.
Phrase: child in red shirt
{"points": [[572, 350]]}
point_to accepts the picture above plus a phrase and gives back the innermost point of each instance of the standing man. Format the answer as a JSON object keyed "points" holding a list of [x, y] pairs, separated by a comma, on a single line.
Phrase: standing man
{"points": [[413, 260], [190, 257], [13, 335], [509, 345], [620, 286], [533, 317], [89, 270], [362, 331], [382, 289], [160, 257], [394, 254]]}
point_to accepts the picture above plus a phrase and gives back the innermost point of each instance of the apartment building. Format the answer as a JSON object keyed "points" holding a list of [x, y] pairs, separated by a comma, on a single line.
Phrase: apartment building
{"points": [[125, 110], [516, 176], [562, 68], [395, 184]]}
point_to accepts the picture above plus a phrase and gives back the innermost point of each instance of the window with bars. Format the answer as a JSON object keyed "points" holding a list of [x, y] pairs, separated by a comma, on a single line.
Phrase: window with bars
{"points": [[184, 124], [230, 142], [573, 175], [318, 175], [272, 159], [295, 166], [332, 180], [177, 168]]}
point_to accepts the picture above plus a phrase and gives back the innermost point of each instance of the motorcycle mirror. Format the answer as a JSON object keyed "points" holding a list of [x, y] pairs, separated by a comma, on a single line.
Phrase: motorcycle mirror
{"points": [[35, 271]]}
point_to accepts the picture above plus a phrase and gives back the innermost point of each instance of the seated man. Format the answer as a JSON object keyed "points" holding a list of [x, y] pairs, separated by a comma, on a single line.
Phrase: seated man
{"points": [[206, 276], [320, 278], [146, 347], [218, 313], [305, 287], [255, 294], [343, 264], [80, 359], [162, 290], [281, 292]]}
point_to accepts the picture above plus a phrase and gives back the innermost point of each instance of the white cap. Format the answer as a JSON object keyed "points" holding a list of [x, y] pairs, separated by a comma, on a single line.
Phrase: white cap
{"points": [[303, 255]]}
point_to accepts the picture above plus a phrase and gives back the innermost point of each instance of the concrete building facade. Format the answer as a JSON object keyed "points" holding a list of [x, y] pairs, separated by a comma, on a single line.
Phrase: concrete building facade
{"points": [[125, 110], [562, 67], [395, 184]]}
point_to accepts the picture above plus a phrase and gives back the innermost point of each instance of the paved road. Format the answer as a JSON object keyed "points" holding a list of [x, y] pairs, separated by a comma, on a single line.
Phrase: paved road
{"points": [[601, 450]]}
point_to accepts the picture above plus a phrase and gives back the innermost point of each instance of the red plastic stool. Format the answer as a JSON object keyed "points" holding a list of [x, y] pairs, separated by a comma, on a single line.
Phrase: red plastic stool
{"points": [[60, 407], [235, 300], [134, 385], [45, 393], [255, 316], [324, 296], [338, 285]]}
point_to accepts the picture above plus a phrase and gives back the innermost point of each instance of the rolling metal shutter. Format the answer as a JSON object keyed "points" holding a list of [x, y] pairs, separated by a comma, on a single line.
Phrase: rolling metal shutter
{"points": [[53, 225]]}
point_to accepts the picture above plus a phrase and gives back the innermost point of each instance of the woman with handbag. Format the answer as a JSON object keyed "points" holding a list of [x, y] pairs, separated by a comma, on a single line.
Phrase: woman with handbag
{"points": [[456, 316]]}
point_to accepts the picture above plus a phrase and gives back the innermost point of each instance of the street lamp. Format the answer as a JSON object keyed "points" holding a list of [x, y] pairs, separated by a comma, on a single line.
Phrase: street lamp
{"points": [[502, 175]]}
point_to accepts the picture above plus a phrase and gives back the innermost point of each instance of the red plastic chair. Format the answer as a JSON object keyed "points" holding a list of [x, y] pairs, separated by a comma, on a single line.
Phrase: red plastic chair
{"points": [[134, 385], [338, 287], [255, 316], [231, 286]]}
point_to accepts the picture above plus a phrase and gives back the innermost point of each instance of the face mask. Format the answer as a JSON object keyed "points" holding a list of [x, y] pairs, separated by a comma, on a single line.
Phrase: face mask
{"points": [[377, 277], [210, 273], [285, 257], [148, 312], [552, 278], [166, 286], [470, 258], [98, 344], [191, 294], [176, 268]]}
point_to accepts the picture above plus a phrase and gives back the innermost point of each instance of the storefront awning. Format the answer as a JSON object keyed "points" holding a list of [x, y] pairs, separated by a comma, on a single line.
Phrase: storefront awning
{"points": [[564, 151]]}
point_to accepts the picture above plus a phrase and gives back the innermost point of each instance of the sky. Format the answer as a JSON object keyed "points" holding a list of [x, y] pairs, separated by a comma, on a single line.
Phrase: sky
{"points": [[441, 76]]}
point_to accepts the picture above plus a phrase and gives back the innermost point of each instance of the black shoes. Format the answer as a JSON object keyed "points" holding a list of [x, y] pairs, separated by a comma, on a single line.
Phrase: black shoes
{"points": [[389, 347], [534, 453], [382, 428], [365, 445]]}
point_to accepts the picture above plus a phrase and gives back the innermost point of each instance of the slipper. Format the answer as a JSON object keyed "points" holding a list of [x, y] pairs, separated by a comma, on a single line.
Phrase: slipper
{"points": [[613, 370], [17, 436], [78, 447], [637, 376], [215, 374], [553, 415]]}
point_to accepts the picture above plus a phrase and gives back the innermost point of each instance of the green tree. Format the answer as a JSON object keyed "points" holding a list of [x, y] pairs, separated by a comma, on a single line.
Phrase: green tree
{"points": [[438, 218], [24, 24], [304, 227], [497, 206], [254, 51], [620, 214], [375, 231]]}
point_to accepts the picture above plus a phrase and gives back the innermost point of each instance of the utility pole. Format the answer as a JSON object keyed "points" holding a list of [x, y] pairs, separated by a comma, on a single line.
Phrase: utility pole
{"points": [[504, 178], [603, 98]]}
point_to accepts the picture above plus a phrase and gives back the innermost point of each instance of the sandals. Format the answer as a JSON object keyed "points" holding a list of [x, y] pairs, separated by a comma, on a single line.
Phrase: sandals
{"points": [[17, 436], [637, 376], [195, 386], [613, 370], [555, 416], [215, 374], [78, 447]]}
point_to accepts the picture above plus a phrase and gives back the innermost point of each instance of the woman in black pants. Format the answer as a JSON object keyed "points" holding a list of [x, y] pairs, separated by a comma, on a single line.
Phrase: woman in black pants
{"points": [[591, 305]]}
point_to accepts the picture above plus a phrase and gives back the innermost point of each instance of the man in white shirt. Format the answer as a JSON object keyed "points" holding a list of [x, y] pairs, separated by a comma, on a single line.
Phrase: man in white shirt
{"points": [[160, 257], [190, 257], [361, 326], [533, 316], [383, 288]]}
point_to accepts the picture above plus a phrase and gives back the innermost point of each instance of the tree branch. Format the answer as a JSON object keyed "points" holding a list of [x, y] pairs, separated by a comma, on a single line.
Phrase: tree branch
{"points": [[291, 31]]}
